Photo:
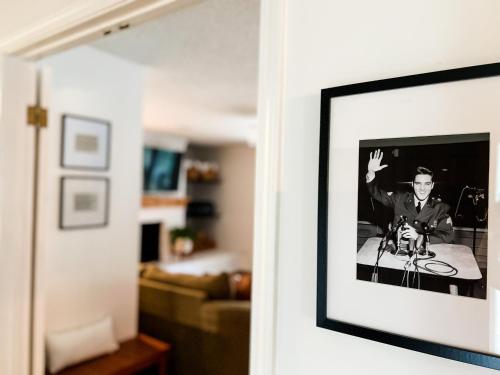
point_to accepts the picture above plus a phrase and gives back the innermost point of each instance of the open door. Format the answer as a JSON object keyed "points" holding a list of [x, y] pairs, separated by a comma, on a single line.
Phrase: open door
{"points": [[27, 309], [18, 91]]}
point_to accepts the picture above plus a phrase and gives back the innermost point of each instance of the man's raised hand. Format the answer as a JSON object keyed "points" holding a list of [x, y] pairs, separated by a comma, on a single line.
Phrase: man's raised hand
{"points": [[375, 160]]}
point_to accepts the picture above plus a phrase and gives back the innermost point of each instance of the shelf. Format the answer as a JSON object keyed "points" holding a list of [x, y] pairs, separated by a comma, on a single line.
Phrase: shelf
{"points": [[159, 201], [208, 216], [203, 182], [201, 209]]}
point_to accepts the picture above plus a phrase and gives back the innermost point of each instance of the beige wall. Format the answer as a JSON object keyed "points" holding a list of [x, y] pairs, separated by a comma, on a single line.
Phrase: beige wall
{"points": [[234, 228], [233, 196]]}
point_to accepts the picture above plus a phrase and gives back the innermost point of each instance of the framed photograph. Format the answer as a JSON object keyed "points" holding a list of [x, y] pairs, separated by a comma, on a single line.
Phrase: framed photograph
{"points": [[84, 202], [85, 143], [408, 212]]}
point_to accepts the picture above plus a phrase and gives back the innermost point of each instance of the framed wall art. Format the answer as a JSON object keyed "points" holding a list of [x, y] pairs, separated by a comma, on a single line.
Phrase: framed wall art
{"points": [[409, 211], [85, 143], [84, 202]]}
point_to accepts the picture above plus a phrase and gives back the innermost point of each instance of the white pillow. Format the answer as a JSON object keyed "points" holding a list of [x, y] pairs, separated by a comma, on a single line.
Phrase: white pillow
{"points": [[70, 347]]}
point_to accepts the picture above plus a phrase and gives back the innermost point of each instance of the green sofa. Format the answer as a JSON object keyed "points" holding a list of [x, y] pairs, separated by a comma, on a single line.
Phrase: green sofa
{"points": [[209, 333]]}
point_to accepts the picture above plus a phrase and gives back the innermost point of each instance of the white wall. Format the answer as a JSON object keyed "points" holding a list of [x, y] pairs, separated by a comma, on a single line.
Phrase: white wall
{"points": [[92, 272], [331, 43]]}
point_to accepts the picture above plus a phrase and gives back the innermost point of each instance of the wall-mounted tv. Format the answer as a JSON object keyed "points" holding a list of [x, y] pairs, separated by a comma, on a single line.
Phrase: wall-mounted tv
{"points": [[161, 170]]}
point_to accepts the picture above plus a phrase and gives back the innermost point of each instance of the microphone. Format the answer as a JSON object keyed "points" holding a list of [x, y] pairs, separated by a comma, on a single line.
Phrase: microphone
{"points": [[396, 230], [402, 221], [427, 230], [425, 227]]}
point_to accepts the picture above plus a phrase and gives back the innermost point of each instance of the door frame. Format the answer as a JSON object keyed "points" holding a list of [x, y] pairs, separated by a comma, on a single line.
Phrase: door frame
{"points": [[84, 23], [271, 94]]}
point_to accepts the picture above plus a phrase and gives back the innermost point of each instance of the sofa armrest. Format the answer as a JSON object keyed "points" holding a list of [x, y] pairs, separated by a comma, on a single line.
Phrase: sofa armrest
{"points": [[171, 302], [226, 318]]}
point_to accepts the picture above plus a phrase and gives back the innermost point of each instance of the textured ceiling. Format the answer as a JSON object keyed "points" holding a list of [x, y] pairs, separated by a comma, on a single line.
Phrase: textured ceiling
{"points": [[201, 80]]}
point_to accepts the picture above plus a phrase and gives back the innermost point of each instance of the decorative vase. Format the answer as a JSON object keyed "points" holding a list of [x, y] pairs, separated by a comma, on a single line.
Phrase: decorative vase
{"points": [[183, 246]]}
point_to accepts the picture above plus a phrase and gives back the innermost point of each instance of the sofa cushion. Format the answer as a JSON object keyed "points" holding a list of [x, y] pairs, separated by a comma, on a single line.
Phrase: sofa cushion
{"points": [[226, 318], [216, 286]]}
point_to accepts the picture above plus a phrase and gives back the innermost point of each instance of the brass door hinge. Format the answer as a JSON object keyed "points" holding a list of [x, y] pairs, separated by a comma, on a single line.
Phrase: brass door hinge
{"points": [[37, 116]]}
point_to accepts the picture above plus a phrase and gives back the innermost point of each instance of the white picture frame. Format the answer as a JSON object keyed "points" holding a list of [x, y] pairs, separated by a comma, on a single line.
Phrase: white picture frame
{"points": [[85, 143], [84, 202]]}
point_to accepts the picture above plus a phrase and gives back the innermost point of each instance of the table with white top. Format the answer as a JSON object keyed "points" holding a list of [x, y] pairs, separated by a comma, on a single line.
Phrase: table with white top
{"points": [[458, 256]]}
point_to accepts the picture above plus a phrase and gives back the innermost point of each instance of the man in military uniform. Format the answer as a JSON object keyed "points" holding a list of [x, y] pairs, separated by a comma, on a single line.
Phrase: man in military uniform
{"points": [[420, 209]]}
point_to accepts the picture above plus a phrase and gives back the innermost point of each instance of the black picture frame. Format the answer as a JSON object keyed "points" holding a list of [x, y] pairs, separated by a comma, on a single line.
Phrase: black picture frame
{"points": [[327, 95], [105, 181], [65, 161]]}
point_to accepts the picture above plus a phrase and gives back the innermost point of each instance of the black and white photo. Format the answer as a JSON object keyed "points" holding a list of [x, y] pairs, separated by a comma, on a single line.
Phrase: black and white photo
{"points": [[422, 213]]}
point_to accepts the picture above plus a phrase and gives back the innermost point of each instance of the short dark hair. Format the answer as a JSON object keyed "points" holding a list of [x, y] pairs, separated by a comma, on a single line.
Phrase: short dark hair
{"points": [[423, 170]]}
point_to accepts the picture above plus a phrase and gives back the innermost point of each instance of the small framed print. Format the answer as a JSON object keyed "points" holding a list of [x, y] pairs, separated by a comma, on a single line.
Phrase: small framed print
{"points": [[84, 202], [408, 213], [85, 143]]}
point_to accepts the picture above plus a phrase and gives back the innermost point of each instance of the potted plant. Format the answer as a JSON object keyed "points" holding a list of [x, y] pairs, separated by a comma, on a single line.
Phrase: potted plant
{"points": [[182, 240]]}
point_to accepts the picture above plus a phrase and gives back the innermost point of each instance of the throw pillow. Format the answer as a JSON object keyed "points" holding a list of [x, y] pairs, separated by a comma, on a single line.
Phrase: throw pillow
{"points": [[241, 285], [76, 345]]}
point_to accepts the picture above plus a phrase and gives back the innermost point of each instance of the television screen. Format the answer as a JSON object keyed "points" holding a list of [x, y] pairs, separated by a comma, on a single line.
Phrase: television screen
{"points": [[161, 169]]}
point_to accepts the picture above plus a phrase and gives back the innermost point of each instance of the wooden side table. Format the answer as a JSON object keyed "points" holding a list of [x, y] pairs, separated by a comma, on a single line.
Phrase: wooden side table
{"points": [[134, 355]]}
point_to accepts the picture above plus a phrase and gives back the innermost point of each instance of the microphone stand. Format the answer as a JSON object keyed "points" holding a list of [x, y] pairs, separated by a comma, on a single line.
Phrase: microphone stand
{"points": [[380, 251], [477, 194], [398, 250]]}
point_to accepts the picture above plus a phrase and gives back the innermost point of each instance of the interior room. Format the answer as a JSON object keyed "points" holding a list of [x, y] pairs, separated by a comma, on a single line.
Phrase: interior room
{"points": [[147, 184], [274, 187]]}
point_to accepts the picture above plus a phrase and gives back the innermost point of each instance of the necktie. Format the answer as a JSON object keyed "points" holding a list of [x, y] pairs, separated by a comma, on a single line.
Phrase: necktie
{"points": [[419, 207]]}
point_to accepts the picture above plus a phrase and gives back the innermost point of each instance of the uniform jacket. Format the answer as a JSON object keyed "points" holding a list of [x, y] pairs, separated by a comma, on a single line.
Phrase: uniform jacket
{"points": [[434, 213]]}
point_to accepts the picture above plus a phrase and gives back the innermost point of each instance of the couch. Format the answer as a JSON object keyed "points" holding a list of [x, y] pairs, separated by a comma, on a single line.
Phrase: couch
{"points": [[209, 331]]}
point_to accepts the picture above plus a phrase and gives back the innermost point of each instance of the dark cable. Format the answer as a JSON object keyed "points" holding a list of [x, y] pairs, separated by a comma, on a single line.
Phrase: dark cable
{"points": [[452, 271]]}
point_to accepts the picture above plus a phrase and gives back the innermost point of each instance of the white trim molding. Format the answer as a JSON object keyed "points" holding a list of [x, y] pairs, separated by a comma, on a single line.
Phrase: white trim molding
{"points": [[267, 189], [83, 23]]}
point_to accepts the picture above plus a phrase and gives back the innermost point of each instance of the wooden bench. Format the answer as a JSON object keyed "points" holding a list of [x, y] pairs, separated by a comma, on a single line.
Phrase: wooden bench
{"points": [[135, 355]]}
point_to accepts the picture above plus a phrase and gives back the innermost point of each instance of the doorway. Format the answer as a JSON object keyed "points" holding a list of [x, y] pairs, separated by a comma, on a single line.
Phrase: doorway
{"points": [[240, 113]]}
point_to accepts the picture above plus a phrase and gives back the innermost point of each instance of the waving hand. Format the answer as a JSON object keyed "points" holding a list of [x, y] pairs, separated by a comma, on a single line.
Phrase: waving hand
{"points": [[375, 160]]}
